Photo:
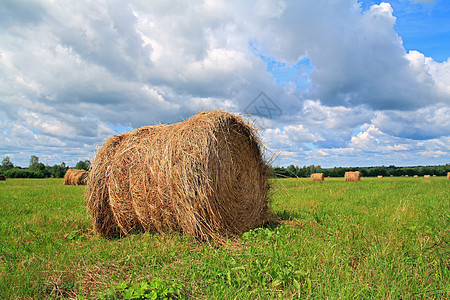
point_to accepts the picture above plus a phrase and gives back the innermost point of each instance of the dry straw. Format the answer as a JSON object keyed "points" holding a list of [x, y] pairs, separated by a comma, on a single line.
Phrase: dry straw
{"points": [[352, 176], [75, 177], [317, 177], [2, 177], [205, 177]]}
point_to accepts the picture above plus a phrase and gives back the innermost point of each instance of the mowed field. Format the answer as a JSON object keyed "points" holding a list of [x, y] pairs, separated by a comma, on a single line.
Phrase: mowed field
{"points": [[377, 238]]}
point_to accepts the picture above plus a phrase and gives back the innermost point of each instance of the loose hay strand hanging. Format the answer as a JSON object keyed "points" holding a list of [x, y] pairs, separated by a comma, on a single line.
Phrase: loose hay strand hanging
{"points": [[205, 177]]}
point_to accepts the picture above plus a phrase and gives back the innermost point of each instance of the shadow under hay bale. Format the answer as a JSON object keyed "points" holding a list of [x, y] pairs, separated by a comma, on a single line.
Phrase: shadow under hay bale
{"points": [[205, 177], [317, 177], [75, 177], [2, 177], [353, 176]]}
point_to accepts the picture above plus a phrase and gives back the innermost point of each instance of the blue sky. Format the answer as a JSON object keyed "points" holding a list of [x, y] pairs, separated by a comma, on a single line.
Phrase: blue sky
{"points": [[423, 25], [348, 83]]}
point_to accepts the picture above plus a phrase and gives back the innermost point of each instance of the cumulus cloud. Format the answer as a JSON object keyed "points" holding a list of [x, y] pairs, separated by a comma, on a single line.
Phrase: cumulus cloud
{"points": [[73, 73]]}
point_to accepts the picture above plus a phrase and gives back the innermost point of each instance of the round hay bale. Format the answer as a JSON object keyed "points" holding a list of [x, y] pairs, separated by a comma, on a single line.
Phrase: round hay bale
{"points": [[380, 176], [205, 177], [352, 176], [317, 177], [75, 177], [448, 175], [416, 176], [2, 177], [426, 176]]}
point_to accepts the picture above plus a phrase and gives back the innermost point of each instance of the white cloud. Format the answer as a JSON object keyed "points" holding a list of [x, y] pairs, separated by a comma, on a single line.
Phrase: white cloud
{"points": [[71, 71]]}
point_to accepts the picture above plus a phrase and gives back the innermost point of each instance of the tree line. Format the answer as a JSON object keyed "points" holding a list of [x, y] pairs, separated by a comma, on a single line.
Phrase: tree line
{"points": [[306, 171], [37, 169]]}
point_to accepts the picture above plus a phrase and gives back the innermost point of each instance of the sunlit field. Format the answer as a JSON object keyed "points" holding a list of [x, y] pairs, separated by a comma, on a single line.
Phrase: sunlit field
{"points": [[377, 238]]}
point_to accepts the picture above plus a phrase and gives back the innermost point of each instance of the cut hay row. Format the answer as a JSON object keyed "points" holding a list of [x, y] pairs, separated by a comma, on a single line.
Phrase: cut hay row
{"points": [[317, 177], [2, 177], [205, 177], [75, 177], [352, 176]]}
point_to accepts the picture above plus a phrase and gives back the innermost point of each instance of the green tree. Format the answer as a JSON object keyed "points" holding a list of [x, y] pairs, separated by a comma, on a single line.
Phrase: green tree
{"points": [[34, 160], [7, 164], [83, 165]]}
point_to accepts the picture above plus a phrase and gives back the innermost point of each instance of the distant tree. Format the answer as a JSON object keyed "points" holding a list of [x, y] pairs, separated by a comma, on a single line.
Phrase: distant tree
{"points": [[83, 165], [34, 160], [7, 164], [58, 171], [291, 170]]}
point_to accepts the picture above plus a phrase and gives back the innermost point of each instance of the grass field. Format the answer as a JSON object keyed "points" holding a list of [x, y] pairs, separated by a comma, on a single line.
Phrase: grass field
{"points": [[378, 238]]}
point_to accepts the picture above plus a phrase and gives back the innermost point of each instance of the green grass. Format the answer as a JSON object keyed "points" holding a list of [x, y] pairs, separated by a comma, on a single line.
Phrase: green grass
{"points": [[378, 238]]}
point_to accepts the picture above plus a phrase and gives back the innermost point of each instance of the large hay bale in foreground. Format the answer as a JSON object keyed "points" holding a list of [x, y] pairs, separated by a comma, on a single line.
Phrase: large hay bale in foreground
{"points": [[2, 177], [317, 177], [352, 176], [205, 177], [75, 177]]}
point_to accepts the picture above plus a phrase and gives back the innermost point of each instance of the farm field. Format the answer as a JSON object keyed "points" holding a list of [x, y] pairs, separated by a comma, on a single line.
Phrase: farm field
{"points": [[377, 238]]}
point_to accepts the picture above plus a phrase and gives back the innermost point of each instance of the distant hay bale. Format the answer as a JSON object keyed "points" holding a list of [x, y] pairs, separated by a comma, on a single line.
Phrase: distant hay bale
{"points": [[205, 177], [352, 176], [434, 175], [406, 175], [416, 176], [317, 177], [426, 176], [391, 175], [2, 177], [448, 175], [75, 177], [380, 176]]}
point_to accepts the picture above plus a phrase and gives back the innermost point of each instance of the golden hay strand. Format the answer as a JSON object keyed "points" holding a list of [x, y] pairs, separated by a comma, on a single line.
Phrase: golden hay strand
{"points": [[352, 176], [205, 177], [317, 177]]}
